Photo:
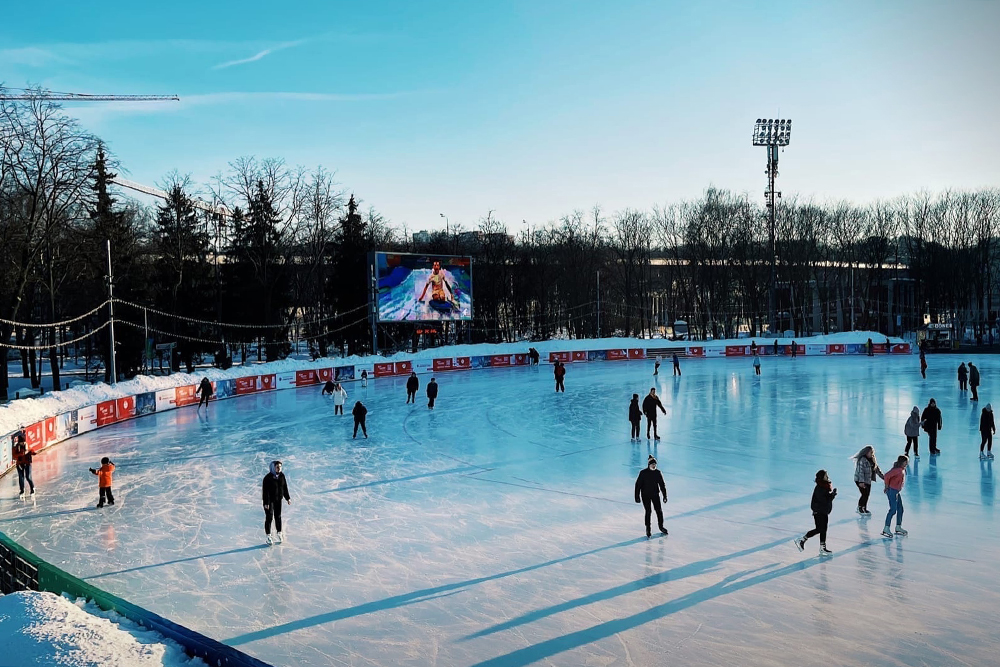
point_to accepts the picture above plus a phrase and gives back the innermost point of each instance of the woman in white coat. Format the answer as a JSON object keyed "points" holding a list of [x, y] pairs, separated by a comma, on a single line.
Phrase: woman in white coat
{"points": [[339, 398]]}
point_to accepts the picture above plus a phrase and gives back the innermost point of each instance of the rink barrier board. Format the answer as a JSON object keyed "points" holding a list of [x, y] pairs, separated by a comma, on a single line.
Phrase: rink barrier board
{"points": [[23, 570]]}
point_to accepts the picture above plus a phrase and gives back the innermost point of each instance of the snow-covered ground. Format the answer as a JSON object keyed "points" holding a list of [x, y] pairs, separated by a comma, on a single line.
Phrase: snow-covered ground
{"points": [[42, 629], [26, 411], [500, 528]]}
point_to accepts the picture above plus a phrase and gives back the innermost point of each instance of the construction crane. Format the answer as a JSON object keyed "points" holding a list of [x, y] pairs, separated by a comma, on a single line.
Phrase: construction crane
{"points": [[28, 94], [199, 204]]}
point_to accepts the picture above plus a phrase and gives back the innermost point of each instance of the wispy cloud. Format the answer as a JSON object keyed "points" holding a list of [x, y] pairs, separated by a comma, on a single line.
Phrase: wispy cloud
{"points": [[260, 55], [31, 56]]}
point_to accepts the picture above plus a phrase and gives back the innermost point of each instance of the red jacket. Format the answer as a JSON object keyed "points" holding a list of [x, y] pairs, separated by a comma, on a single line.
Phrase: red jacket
{"points": [[894, 479], [104, 474], [22, 455], [560, 372]]}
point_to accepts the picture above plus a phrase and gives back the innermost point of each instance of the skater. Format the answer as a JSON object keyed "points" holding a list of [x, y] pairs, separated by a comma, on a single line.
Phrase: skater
{"points": [[912, 432], [871, 348], [359, 412], [753, 348], [865, 471], [560, 374], [795, 349], [649, 406], [974, 381], [432, 393], [987, 427], [888, 346], [656, 368], [412, 385], [894, 480], [635, 416], [775, 347], [648, 487], [756, 364], [339, 397], [22, 456], [364, 378], [677, 365], [931, 420], [923, 364], [963, 377], [328, 388], [273, 490], [822, 505], [104, 474], [205, 390]]}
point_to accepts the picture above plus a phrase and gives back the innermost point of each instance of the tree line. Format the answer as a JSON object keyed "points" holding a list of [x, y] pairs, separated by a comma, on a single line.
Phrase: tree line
{"points": [[282, 252]]}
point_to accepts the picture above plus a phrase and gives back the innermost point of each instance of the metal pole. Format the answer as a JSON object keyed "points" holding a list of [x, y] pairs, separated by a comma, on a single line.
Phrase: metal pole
{"points": [[772, 297], [111, 313], [374, 309], [598, 304]]}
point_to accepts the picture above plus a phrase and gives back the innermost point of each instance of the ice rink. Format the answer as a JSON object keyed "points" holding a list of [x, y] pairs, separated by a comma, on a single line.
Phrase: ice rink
{"points": [[500, 529]]}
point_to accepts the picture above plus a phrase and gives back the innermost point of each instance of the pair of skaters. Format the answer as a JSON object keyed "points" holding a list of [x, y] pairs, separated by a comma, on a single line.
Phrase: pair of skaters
{"points": [[413, 384], [650, 404], [930, 421], [360, 412], [676, 362]]}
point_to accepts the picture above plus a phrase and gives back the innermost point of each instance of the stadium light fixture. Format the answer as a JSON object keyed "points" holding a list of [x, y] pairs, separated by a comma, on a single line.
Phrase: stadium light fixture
{"points": [[772, 134]]}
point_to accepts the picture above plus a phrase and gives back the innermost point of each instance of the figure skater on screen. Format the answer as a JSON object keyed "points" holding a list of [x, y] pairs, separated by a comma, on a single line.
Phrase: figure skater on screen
{"points": [[437, 283]]}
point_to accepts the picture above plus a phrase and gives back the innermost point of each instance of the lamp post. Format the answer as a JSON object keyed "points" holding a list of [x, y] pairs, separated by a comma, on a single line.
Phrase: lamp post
{"points": [[772, 134], [447, 224]]}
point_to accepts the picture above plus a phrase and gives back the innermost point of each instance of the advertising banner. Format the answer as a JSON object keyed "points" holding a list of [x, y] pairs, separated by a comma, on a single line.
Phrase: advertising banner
{"points": [[385, 369], [106, 413], [185, 395], [559, 356], [225, 389], [326, 374], [247, 385], [268, 382], [6, 454], [855, 348], [616, 355], [86, 418], [479, 362], [124, 408], [578, 355], [520, 360], [304, 378], [736, 350], [285, 380], [51, 434], [695, 351], [878, 348], [421, 365], [835, 348], [498, 360], [67, 425], [343, 373], [35, 435], [463, 363], [900, 348], [597, 355], [166, 399], [404, 368], [420, 288], [637, 353], [812, 349], [442, 364], [145, 403]]}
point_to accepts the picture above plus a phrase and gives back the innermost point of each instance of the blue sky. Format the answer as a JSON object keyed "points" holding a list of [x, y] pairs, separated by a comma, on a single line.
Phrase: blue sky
{"points": [[533, 109]]}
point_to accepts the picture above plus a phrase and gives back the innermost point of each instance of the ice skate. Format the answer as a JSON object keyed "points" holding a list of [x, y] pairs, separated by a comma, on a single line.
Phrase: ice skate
{"points": [[656, 437], [269, 540], [823, 551], [885, 532], [800, 543], [100, 505], [281, 538], [901, 531], [649, 533], [21, 495], [982, 457], [664, 530], [990, 456]]}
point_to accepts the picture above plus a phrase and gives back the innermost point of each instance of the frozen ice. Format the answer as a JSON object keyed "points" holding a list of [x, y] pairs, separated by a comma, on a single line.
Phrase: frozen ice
{"points": [[500, 528]]}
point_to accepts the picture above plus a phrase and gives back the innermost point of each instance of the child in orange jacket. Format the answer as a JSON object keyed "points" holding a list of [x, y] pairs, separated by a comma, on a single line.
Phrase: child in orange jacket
{"points": [[104, 481]]}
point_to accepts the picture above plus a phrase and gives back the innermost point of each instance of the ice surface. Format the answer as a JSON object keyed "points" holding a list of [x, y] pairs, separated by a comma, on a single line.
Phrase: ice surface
{"points": [[500, 528]]}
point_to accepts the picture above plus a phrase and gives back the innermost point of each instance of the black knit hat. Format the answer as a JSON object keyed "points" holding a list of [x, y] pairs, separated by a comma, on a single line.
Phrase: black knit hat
{"points": [[651, 460]]}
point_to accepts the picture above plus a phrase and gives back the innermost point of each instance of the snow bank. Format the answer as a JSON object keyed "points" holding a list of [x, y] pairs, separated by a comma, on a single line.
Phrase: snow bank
{"points": [[23, 412], [47, 629]]}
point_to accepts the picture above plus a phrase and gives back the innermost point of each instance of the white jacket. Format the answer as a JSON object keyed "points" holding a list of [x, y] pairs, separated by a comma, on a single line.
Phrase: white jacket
{"points": [[339, 397]]}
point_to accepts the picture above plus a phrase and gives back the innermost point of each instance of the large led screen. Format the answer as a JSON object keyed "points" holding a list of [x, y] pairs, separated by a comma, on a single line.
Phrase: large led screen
{"points": [[416, 288]]}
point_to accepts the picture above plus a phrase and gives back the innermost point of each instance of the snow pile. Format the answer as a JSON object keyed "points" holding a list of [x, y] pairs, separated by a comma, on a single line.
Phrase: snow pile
{"points": [[46, 629], [24, 412]]}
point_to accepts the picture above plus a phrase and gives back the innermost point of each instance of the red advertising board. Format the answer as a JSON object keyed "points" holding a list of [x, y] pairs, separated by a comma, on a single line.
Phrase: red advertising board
{"points": [[50, 429], [500, 360], [559, 356], [304, 378], [900, 348], [382, 370], [579, 355], [125, 408], [404, 367], [185, 396], [878, 348], [617, 355], [463, 363], [835, 348], [637, 353], [267, 382], [325, 374], [34, 435], [247, 385], [800, 349], [520, 360], [441, 365], [106, 413], [736, 350], [696, 352]]}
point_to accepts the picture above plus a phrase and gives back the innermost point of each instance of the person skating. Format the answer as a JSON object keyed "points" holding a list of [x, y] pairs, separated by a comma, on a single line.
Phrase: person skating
{"points": [[104, 479], [22, 456], [987, 427], [888, 346], [775, 347], [412, 385], [865, 471], [795, 349], [923, 364], [635, 416], [364, 378], [894, 480], [359, 412], [677, 365], [273, 490], [821, 505], [205, 390], [656, 367], [870, 347], [912, 432], [974, 381], [753, 348], [432, 393], [328, 388], [963, 377], [756, 364], [648, 487], [931, 420], [560, 374], [339, 397], [649, 407]]}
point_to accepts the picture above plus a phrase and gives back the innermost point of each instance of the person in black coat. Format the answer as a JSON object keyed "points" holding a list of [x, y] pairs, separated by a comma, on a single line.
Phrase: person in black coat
{"points": [[987, 427], [273, 490], [635, 416], [821, 505], [930, 420], [648, 487], [412, 385], [432, 393], [359, 412], [328, 388], [205, 391], [649, 407], [963, 377], [974, 381]]}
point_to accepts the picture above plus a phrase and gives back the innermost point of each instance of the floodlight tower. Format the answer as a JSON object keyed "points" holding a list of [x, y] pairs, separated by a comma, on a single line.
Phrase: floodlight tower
{"points": [[772, 134]]}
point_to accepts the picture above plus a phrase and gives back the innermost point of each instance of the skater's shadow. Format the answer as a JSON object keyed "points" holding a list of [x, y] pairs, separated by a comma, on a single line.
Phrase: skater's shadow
{"points": [[748, 498], [410, 598], [178, 560], [731, 584], [378, 482]]}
